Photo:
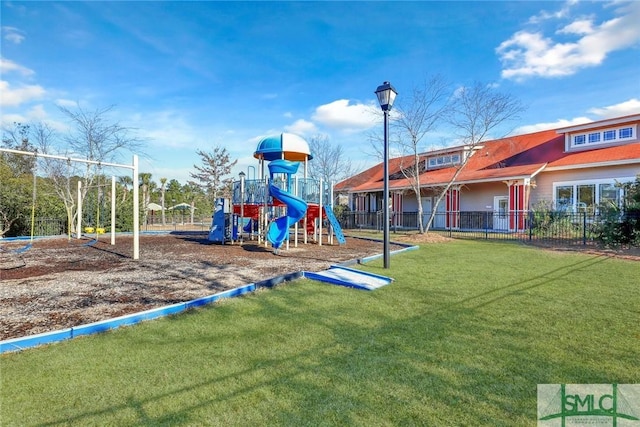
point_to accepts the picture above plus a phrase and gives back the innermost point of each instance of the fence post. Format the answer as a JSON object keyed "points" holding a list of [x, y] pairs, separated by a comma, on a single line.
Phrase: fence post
{"points": [[584, 228], [530, 225], [486, 225]]}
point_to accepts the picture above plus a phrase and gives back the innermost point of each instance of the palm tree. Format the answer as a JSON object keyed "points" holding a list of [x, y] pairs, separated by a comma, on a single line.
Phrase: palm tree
{"points": [[125, 181], [145, 182]]}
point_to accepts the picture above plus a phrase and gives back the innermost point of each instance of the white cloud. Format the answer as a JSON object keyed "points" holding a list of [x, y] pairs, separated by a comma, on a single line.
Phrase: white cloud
{"points": [[530, 53], [66, 103], [584, 26], [13, 34], [12, 97], [347, 117], [37, 113], [301, 127], [8, 66], [551, 125], [559, 14], [625, 108]]}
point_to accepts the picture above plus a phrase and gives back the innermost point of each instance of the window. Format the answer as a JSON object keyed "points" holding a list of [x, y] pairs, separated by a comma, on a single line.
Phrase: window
{"points": [[625, 133], [444, 160], [609, 195], [564, 197], [609, 135], [604, 136], [594, 137], [588, 196]]}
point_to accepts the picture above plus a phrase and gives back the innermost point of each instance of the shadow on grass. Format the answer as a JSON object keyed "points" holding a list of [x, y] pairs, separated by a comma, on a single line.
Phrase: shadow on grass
{"points": [[344, 357]]}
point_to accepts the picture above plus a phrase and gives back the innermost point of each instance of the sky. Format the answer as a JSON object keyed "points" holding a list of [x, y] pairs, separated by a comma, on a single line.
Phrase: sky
{"points": [[187, 76]]}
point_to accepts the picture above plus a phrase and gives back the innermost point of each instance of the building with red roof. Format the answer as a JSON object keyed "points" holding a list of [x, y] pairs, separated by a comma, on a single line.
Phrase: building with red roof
{"points": [[574, 169]]}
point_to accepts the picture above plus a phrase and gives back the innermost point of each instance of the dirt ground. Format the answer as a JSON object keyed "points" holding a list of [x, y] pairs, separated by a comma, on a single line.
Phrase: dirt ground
{"points": [[58, 283]]}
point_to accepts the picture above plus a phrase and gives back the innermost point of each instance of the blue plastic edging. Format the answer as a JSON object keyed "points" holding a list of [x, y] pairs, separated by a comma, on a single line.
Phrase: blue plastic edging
{"points": [[372, 257], [17, 344], [23, 343]]}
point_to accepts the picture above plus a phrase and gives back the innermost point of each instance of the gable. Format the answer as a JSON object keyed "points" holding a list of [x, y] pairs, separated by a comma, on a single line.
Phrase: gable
{"points": [[515, 157]]}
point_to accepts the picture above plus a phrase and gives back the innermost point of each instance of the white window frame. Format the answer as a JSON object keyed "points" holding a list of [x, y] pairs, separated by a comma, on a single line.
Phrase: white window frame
{"points": [[443, 160], [589, 138], [573, 206]]}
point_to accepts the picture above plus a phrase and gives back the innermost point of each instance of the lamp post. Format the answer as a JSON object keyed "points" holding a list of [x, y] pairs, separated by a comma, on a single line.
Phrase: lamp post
{"points": [[241, 222], [386, 95]]}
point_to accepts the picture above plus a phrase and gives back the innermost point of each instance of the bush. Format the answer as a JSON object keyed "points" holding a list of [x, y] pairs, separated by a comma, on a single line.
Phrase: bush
{"points": [[621, 227]]}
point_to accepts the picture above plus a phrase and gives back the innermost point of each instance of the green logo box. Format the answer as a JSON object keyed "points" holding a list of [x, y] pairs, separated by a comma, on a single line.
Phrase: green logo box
{"points": [[576, 405]]}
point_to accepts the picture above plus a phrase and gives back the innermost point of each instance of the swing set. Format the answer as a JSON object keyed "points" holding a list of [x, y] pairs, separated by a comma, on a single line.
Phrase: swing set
{"points": [[136, 196]]}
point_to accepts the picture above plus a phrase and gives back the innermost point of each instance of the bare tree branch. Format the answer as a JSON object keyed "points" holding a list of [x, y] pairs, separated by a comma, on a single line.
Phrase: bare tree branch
{"points": [[419, 115]]}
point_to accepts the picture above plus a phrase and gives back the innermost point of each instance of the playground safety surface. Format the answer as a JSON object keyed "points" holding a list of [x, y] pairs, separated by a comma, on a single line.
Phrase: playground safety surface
{"points": [[59, 284]]}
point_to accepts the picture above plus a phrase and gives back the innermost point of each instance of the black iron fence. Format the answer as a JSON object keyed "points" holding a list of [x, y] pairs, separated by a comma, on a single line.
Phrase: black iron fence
{"points": [[581, 228], [48, 227]]}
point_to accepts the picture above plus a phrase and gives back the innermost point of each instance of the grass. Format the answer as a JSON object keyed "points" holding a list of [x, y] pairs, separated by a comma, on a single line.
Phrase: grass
{"points": [[462, 337]]}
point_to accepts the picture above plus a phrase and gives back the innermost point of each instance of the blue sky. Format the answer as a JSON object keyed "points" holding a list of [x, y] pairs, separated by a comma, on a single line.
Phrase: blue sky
{"points": [[194, 75]]}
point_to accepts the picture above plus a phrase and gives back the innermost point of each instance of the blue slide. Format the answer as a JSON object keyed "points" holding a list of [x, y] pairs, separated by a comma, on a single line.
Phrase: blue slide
{"points": [[296, 207]]}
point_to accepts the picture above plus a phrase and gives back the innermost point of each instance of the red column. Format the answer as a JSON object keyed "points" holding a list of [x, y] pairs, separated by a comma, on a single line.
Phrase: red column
{"points": [[516, 207], [453, 208]]}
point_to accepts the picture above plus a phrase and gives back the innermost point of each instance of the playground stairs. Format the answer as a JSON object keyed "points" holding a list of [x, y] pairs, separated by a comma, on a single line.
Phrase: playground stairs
{"points": [[335, 225]]}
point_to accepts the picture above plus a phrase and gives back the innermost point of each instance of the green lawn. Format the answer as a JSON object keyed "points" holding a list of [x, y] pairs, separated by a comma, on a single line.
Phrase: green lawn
{"points": [[462, 337]]}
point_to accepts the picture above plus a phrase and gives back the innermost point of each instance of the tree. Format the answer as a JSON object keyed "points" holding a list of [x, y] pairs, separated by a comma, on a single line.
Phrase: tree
{"points": [[16, 178], [426, 106], [18, 138], [145, 186], [163, 189], [329, 161], [215, 166], [476, 111], [125, 181], [94, 137]]}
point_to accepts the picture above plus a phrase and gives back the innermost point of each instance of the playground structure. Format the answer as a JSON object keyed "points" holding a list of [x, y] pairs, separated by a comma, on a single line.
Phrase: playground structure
{"points": [[267, 208]]}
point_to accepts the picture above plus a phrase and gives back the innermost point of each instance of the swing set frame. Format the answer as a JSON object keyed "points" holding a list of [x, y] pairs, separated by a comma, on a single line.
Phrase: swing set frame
{"points": [[136, 193]]}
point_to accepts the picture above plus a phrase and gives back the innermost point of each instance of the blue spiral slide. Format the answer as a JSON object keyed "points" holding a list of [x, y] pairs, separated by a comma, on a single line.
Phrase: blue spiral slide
{"points": [[296, 207]]}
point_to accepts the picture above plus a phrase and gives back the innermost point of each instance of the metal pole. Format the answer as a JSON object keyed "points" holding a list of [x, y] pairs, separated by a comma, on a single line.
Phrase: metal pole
{"points": [[241, 222], [113, 210], [79, 219], [136, 209], [385, 194]]}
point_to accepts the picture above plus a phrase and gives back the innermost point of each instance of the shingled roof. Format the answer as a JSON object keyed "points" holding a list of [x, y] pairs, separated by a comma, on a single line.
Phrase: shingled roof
{"points": [[514, 157]]}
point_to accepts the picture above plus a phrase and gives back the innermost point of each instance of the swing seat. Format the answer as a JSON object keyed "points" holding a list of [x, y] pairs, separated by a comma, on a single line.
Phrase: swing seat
{"points": [[23, 249], [100, 230], [89, 230]]}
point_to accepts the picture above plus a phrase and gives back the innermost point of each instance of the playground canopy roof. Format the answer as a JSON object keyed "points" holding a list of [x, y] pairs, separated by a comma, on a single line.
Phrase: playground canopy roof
{"points": [[154, 207], [284, 146], [181, 206]]}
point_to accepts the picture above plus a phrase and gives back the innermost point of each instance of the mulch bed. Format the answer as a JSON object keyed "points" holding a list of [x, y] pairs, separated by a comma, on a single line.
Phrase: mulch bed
{"points": [[59, 284]]}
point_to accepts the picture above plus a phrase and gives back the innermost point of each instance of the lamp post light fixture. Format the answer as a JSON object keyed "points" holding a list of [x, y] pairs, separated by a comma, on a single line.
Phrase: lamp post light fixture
{"points": [[386, 95], [241, 222]]}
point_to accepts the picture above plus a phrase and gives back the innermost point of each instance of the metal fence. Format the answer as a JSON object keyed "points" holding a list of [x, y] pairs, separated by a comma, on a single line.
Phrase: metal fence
{"points": [[47, 227], [582, 228]]}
